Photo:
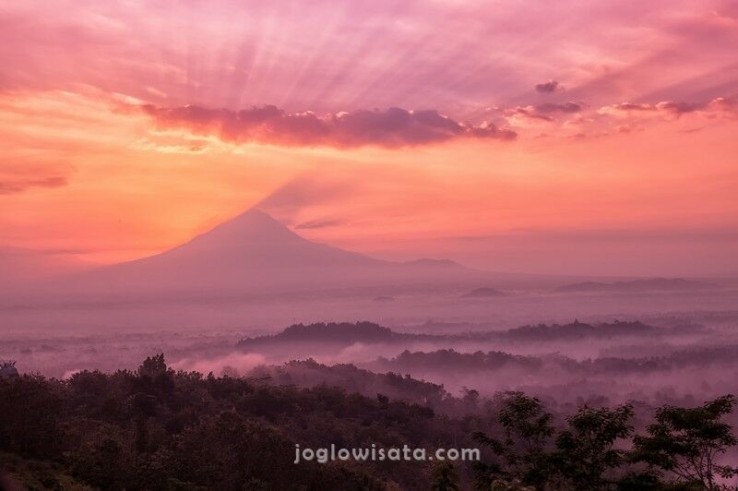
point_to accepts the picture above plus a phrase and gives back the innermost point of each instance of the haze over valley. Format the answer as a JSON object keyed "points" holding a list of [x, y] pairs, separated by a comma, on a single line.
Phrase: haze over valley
{"points": [[243, 245], [222, 303]]}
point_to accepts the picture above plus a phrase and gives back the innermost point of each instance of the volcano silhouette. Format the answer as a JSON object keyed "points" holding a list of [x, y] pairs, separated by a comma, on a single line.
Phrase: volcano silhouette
{"points": [[252, 240], [253, 251], [250, 250]]}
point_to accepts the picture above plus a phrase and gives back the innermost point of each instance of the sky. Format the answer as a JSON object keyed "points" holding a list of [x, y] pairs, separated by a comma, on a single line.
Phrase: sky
{"points": [[560, 138]]}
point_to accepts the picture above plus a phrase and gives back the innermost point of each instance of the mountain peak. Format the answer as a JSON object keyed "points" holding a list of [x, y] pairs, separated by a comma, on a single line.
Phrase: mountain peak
{"points": [[249, 249], [252, 226], [256, 215], [254, 252]]}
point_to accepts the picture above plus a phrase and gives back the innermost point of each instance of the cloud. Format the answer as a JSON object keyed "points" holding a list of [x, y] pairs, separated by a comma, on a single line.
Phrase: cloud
{"points": [[527, 112], [723, 105], [391, 128], [320, 223], [672, 109], [678, 108], [542, 112], [328, 58], [13, 186], [566, 107], [580, 120], [19, 174], [547, 87]]}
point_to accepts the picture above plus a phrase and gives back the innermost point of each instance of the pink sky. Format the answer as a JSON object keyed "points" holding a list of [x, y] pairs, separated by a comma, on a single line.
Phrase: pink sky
{"points": [[571, 137]]}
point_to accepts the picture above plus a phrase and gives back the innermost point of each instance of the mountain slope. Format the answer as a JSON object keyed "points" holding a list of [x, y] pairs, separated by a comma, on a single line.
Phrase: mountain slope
{"points": [[252, 239], [251, 249], [254, 252]]}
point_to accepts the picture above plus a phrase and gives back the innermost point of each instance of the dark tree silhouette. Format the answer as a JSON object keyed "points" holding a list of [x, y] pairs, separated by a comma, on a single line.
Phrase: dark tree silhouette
{"points": [[586, 449], [686, 442], [527, 429]]}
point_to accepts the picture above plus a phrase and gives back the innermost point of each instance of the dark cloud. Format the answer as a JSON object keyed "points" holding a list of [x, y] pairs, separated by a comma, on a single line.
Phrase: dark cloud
{"points": [[547, 87], [566, 107], [678, 107], [13, 186], [544, 112], [394, 127], [673, 108], [321, 223], [528, 111], [629, 106]]}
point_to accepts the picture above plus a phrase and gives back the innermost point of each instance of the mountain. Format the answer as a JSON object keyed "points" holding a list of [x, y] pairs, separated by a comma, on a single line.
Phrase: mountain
{"points": [[255, 253], [645, 285], [433, 263], [251, 250]]}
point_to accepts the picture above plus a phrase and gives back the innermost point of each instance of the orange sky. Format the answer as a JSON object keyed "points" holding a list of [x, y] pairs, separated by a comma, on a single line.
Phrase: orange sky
{"points": [[604, 143]]}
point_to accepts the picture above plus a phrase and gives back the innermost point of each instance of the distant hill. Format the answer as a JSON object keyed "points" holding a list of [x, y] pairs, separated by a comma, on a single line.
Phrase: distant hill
{"points": [[483, 293], [346, 333], [451, 361], [654, 284], [332, 333], [578, 330]]}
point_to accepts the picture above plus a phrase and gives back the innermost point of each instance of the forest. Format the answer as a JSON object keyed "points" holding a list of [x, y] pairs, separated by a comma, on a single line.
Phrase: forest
{"points": [[156, 428]]}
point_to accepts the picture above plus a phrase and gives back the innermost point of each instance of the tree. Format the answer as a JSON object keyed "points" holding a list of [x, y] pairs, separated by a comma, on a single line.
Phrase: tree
{"points": [[500, 485], [29, 416], [153, 366], [527, 430], [445, 478], [688, 441], [586, 450]]}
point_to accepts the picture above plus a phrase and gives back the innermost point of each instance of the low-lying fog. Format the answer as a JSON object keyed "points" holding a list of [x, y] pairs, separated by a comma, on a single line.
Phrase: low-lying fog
{"points": [[440, 309], [636, 345]]}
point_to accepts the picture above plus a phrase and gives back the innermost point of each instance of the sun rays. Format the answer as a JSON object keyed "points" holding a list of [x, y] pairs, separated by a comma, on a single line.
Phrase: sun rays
{"points": [[129, 129]]}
